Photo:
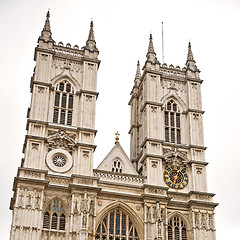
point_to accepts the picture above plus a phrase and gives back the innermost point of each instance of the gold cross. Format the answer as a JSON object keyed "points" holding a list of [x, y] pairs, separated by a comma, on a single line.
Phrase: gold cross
{"points": [[117, 138]]}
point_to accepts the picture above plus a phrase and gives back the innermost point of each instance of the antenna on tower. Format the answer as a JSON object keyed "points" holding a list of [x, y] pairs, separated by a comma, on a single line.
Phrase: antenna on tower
{"points": [[162, 45]]}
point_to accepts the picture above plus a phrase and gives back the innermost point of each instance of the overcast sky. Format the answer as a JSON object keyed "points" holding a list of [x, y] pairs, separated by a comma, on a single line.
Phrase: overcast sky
{"points": [[122, 33]]}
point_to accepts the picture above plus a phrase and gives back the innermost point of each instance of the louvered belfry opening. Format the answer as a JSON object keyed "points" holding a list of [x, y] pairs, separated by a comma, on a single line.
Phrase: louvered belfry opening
{"points": [[172, 123], [63, 103], [116, 225], [176, 229], [54, 216]]}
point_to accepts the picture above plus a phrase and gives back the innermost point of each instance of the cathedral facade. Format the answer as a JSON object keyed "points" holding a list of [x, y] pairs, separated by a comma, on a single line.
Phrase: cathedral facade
{"points": [[160, 192]]}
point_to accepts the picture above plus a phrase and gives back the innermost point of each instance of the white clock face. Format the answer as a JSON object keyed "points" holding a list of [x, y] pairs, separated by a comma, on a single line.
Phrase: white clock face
{"points": [[59, 160]]}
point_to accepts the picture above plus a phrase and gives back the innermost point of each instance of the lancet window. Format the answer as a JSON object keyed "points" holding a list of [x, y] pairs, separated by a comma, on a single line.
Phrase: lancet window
{"points": [[176, 229], [63, 103], [172, 123], [117, 166], [54, 216], [116, 225]]}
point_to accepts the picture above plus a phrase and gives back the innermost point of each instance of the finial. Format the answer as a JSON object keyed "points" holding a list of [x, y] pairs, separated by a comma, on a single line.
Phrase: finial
{"points": [[117, 138], [47, 22], [150, 46], [138, 72], [91, 33], [191, 64], [151, 55], [190, 54], [45, 40]]}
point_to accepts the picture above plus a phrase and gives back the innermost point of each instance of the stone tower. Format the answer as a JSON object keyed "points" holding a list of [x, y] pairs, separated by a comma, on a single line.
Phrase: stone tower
{"points": [[167, 144], [59, 145], [159, 193]]}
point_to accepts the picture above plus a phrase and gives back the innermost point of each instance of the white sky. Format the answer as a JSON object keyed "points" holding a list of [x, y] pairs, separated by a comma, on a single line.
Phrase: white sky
{"points": [[122, 31]]}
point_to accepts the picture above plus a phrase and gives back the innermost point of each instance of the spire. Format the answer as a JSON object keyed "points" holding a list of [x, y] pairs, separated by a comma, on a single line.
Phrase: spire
{"points": [[151, 55], [190, 54], [46, 34], [91, 43], [138, 72], [47, 23], [191, 66], [150, 46], [91, 33]]}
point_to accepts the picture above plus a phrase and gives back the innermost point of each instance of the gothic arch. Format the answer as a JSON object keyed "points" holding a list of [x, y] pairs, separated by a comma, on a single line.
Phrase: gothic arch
{"points": [[137, 222], [55, 214], [187, 235], [180, 215], [175, 98], [67, 77]]}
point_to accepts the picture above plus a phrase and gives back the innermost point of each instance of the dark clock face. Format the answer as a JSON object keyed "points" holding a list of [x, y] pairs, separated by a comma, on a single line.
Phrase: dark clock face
{"points": [[59, 160], [176, 177]]}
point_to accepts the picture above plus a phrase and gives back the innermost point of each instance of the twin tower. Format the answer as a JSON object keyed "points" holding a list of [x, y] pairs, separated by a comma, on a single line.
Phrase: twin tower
{"points": [[159, 193]]}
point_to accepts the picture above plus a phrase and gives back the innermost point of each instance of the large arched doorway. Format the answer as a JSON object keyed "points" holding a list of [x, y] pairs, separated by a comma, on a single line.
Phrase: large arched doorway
{"points": [[116, 225]]}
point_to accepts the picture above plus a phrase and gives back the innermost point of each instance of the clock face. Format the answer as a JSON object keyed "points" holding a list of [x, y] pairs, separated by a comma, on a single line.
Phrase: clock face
{"points": [[59, 160], [176, 177]]}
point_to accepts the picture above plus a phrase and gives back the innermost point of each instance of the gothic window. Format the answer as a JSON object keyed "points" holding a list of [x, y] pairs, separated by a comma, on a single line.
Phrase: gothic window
{"points": [[63, 103], [176, 229], [117, 166], [172, 123], [54, 216], [116, 225]]}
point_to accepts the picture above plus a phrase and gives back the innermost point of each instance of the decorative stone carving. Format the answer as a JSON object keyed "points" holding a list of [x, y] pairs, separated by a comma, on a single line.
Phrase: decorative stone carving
{"points": [[155, 191], [175, 157], [204, 220], [91, 207], [178, 197], [61, 139], [210, 221], [85, 181], [32, 174], [197, 221]]}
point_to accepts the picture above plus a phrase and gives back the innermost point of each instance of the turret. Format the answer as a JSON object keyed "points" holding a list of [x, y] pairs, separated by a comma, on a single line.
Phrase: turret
{"points": [[191, 68], [45, 40], [90, 50], [151, 62]]}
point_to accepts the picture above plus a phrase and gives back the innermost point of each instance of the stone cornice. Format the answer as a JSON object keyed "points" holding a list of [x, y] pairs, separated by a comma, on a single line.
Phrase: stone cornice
{"points": [[172, 77], [133, 127], [82, 187], [194, 79], [150, 103], [94, 60], [198, 162], [201, 203], [193, 111], [147, 70], [82, 91], [120, 195], [156, 197], [155, 140], [87, 145], [198, 147], [49, 85], [151, 156]]}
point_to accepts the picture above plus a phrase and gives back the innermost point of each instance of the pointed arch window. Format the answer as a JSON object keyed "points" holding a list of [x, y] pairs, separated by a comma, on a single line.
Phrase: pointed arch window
{"points": [[63, 103], [176, 229], [116, 225], [54, 216], [172, 119]]}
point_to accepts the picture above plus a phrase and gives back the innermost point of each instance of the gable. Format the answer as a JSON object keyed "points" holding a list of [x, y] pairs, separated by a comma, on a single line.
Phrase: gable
{"points": [[117, 161]]}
